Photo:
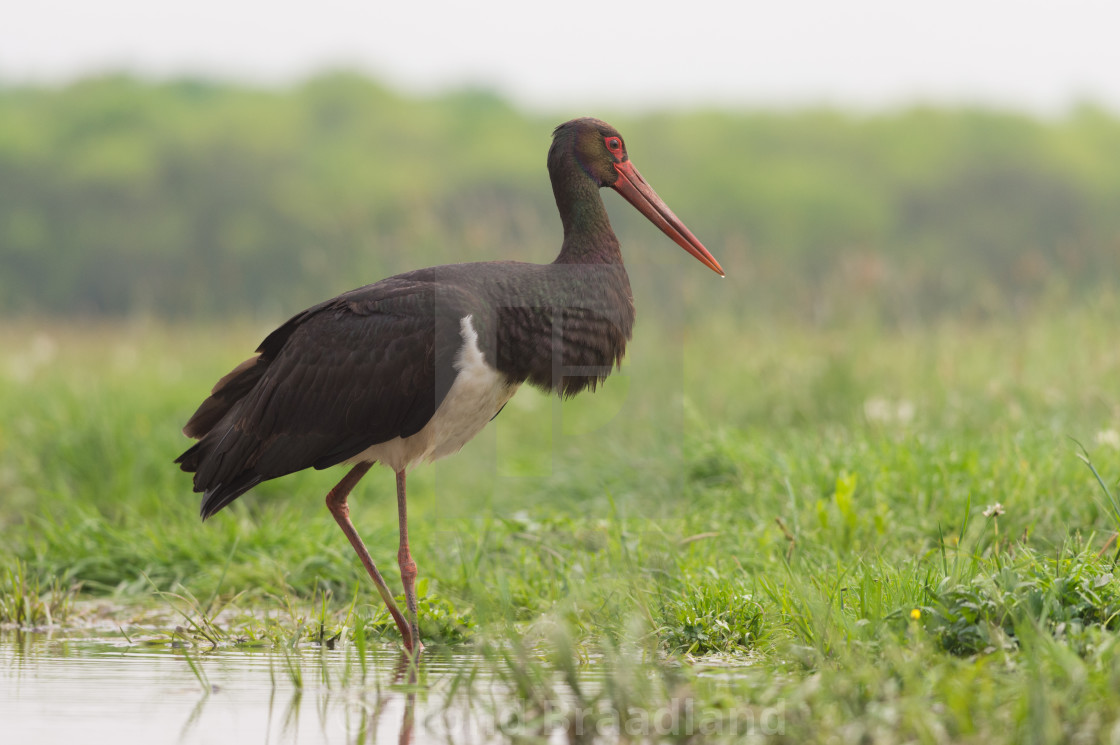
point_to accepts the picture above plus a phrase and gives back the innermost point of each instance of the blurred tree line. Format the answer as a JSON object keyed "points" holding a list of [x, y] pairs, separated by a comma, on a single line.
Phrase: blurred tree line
{"points": [[193, 199]]}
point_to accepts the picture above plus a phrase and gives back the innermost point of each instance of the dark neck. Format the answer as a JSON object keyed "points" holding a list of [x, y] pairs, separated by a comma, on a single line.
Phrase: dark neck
{"points": [[588, 237]]}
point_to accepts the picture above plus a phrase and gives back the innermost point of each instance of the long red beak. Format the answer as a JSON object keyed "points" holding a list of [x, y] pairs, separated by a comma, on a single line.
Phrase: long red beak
{"points": [[637, 192]]}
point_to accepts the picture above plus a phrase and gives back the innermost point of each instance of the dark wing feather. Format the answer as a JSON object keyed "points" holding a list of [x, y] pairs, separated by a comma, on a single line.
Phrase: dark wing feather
{"points": [[363, 368]]}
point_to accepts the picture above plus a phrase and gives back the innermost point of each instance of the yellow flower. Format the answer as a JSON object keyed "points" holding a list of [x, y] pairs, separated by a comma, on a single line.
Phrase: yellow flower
{"points": [[915, 614]]}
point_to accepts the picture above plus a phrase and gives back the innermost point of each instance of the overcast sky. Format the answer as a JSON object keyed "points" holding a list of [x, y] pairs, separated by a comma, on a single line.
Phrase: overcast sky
{"points": [[1025, 54]]}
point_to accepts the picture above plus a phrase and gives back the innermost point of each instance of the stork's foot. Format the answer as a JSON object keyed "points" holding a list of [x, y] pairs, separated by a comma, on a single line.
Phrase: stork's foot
{"points": [[410, 636]]}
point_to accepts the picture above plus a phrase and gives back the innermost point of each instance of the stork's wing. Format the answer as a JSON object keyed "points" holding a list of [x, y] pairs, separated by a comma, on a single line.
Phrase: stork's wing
{"points": [[363, 368]]}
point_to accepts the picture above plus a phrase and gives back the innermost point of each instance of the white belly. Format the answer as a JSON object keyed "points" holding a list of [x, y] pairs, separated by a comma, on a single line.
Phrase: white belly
{"points": [[476, 395]]}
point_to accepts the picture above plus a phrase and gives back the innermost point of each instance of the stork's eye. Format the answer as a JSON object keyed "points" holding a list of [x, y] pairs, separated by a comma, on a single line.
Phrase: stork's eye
{"points": [[614, 144]]}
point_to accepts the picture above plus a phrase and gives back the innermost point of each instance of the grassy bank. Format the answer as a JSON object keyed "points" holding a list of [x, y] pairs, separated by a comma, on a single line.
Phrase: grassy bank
{"points": [[816, 502]]}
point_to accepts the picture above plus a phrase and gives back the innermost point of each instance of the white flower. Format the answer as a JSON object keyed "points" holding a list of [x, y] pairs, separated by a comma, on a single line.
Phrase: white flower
{"points": [[994, 510]]}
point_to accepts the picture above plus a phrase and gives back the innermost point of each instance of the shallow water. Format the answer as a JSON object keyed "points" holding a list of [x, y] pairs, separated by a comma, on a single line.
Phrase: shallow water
{"points": [[65, 689], [93, 686]]}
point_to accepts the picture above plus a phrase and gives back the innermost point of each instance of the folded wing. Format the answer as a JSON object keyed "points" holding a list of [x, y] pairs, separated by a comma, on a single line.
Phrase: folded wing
{"points": [[355, 371]]}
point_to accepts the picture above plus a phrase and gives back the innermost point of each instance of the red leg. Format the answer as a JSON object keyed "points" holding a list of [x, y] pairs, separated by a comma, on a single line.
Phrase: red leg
{"points": [[336, 503], [404, 560]]}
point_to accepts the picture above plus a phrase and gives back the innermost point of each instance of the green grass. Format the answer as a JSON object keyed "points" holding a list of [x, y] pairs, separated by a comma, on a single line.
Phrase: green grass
{"points": [[803, 503], [25, 601]]}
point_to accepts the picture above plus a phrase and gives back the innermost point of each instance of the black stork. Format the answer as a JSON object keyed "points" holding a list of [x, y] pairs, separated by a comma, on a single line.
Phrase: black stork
{"points": [[410, 368]]}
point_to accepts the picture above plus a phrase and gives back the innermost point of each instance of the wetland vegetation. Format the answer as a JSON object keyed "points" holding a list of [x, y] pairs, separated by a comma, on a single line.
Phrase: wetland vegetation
{"points": [[822, 522]]}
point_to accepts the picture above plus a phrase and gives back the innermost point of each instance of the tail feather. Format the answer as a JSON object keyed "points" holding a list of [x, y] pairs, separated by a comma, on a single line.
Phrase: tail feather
{"points": [[210, 424], [218, 497], [200, 460]]}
